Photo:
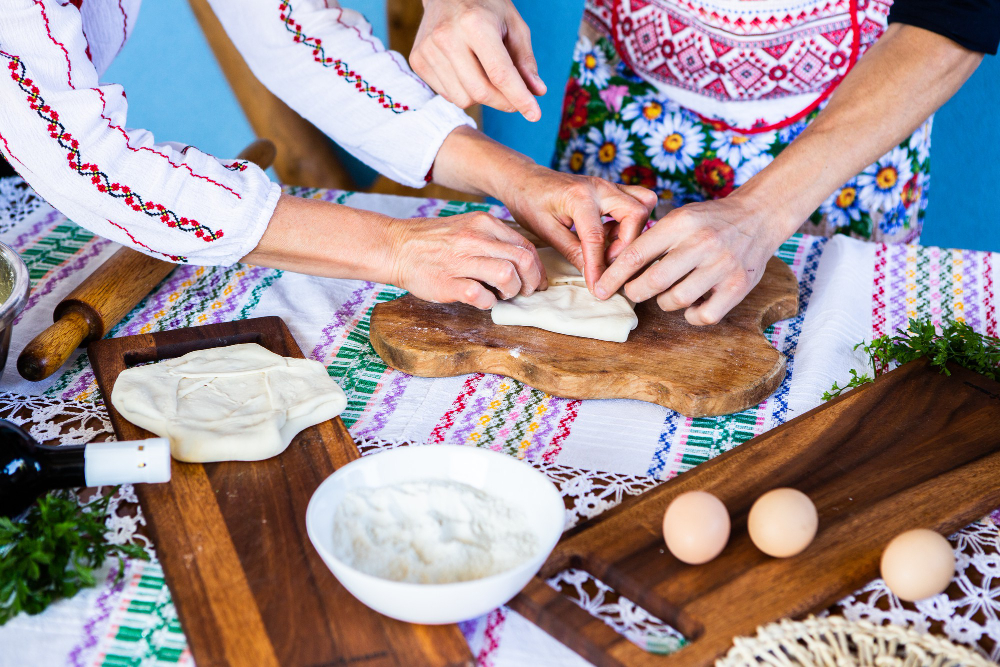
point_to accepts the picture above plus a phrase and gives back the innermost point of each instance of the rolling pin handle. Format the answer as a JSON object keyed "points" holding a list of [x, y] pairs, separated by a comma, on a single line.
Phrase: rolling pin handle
{"points": [[50, 349]]}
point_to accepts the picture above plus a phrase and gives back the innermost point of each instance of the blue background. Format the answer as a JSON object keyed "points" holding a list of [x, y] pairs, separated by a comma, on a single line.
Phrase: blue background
{"points": [[176, 89]]}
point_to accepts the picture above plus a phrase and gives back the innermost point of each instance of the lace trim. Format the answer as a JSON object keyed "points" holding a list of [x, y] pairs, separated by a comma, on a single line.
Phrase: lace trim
{"points": [[837, 641], [17, 202], [968, 613]]}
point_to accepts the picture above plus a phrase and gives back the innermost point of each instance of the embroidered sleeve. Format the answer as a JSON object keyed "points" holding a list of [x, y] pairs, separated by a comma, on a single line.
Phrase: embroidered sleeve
{"points": [[324, 62], [65, 134]]}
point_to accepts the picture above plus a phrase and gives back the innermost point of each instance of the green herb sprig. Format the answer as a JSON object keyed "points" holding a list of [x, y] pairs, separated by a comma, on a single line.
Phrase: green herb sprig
{"points": [[957, 342], [53, 552]]}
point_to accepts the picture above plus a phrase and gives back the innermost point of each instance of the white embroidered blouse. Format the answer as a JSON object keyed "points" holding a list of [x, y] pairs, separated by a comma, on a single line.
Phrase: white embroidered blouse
{"points": [[66, 133]]}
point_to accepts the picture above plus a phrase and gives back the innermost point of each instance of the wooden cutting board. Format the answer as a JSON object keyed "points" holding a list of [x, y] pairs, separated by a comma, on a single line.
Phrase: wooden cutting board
{"points": [[697, 371], [916, 449], [249, 587]]}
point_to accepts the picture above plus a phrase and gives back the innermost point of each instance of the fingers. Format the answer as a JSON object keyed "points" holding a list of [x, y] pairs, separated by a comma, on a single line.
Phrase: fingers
{"points": [[662, 276], [631, 206], [590, 230], [515, 249], [723, 299], [634, 257], [442, 78], [505, 77], [566, 243], [471, 292], [501, 274], [477, 88], [519, 46], [687, 291]]}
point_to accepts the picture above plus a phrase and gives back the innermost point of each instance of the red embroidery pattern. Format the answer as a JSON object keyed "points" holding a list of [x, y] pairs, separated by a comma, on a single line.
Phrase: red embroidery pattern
{"points": [[236, 166], [7, 149], [69, 67], [991, 311], [878, 300], [342, 69], [173, 164], [491, 637], [124, 25], [99, 179], [565, 424], [175, 258], [437, 435], [743, 52]]}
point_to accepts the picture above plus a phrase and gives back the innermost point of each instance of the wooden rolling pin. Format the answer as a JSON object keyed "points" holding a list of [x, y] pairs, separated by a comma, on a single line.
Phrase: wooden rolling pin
{"points": [[105, 297]]}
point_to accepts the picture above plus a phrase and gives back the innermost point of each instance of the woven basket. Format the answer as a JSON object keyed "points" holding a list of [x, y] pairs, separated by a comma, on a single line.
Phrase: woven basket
{"points": [[836, 642]]}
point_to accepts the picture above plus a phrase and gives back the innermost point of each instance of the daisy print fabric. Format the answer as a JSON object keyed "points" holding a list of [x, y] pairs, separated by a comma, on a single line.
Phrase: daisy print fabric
{"points": [[620, 127]]}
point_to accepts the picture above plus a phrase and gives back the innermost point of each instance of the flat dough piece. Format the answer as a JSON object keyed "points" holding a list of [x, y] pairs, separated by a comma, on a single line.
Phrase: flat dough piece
{"points": [[558, 268], [236, 403], [570, 310]]}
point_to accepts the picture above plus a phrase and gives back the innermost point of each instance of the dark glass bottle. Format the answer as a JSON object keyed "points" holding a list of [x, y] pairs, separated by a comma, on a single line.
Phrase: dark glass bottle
{"points": [[29, 469]]}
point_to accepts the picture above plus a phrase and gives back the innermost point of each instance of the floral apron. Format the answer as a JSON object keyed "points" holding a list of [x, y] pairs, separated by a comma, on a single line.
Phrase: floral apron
{"points": [[691, 99]]}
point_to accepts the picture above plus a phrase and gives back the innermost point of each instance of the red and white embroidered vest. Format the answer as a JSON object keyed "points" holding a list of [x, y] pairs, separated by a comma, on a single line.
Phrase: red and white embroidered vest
{"points": [[753, 65]]}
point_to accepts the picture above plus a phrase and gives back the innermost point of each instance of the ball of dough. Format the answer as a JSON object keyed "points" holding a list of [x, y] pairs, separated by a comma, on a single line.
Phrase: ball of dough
{"points": [[696, 527], [918, 564], [782, 522]]}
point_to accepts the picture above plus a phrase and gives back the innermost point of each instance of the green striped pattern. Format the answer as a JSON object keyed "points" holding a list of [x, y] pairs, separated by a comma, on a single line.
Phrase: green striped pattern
{"points": [[53, 249], [147, 631], [356, 365]]}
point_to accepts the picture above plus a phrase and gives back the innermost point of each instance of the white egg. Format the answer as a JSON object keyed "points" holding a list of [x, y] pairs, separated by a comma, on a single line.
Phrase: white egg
{"points": [[918, 564], [782, 522], [696, 527]]}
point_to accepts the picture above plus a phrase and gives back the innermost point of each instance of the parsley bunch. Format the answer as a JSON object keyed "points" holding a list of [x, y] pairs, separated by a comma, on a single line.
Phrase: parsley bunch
{"points": [[957, 342], [53, 552]]}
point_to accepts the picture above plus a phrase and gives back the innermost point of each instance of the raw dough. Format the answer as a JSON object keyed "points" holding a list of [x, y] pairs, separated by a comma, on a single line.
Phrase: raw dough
{"points": [[558, 268], [236, 403], [570, 310]]}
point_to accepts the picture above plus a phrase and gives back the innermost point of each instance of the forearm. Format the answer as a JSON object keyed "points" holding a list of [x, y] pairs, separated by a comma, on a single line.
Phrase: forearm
{"points": [[471, 162], [904, 78], [324, 239]]}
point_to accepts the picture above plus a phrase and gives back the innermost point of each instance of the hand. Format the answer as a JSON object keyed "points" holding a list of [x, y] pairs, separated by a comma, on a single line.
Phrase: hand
{"points": [[550, 202], [451, 259], [714, 249], [478, 52]]}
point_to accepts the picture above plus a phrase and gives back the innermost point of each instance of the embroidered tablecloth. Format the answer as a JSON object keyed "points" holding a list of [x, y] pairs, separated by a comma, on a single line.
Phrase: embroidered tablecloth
{"points": [[597, 451]]}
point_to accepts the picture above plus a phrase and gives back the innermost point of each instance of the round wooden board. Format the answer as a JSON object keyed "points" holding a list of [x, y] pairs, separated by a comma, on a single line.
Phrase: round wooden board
{"points": [[697, 371]]}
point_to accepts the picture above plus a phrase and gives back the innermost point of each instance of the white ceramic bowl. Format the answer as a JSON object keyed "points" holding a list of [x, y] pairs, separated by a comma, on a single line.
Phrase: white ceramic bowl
{"points": [[512, 481]]}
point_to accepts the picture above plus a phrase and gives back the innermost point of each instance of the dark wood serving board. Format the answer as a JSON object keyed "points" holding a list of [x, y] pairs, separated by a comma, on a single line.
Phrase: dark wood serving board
{"points": [[916, 449], [697, 371], [249, 587]]}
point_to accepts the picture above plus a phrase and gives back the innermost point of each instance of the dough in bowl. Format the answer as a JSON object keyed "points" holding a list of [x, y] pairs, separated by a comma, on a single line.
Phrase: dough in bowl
{"points": [[236, 403], [570, 310]]}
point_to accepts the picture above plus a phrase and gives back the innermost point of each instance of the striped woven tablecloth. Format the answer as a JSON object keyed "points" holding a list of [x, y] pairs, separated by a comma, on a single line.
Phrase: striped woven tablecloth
{"points": [[597, 451]]}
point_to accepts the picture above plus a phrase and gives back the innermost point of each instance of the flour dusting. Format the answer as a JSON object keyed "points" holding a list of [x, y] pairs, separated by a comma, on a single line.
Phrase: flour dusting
{"points": [[430, 533]]}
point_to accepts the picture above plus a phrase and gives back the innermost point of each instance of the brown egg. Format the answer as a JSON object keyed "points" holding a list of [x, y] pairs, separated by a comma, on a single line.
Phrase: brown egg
{"points": [[918, 564], [696, 527], [782, 522]]}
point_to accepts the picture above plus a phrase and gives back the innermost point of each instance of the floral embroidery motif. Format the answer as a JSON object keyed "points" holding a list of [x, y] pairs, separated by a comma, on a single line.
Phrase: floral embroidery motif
{"points": [[647, 139], [236, 166], [740, 53], [99, 179], [342, 69]]}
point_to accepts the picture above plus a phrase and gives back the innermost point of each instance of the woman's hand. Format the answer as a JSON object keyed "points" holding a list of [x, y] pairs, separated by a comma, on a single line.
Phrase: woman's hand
{"points": [[549, 203], [714, 249], [451, 259], [478, 52], [438, 259]]}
